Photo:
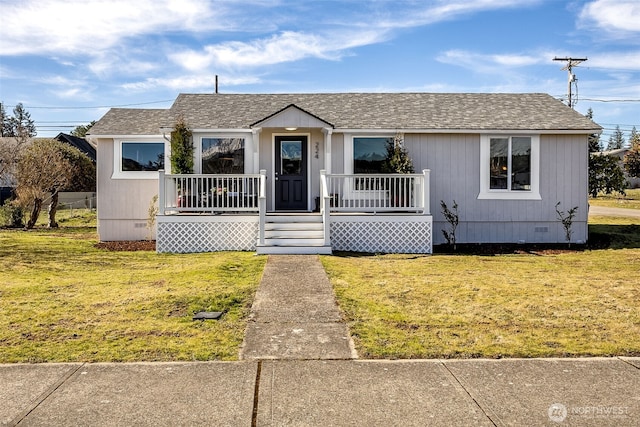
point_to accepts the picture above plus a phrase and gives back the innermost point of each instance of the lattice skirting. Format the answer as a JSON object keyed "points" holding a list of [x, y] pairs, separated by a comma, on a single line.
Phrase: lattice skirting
{"points": [[194, 234], [379, 234]]}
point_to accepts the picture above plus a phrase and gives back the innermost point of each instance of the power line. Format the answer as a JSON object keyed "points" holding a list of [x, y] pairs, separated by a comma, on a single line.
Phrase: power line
{"points": [[94, 107]]}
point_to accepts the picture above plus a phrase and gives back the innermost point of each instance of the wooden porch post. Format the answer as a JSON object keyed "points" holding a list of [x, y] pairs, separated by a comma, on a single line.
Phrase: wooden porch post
{"points": [[262, 205], [161, 192], [426, 193]]}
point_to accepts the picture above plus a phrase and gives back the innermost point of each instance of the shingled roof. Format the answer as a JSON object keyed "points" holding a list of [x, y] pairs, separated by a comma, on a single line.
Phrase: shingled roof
{"points": [[406, 111]]}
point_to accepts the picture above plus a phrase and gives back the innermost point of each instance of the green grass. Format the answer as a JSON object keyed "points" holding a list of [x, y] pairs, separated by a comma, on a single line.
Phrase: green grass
{"points": [[64, 300], [581, 303], [631, 200]]}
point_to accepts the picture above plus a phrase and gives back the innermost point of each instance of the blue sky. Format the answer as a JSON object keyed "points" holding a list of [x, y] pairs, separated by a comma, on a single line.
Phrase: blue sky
{"points": [[67, 61]]}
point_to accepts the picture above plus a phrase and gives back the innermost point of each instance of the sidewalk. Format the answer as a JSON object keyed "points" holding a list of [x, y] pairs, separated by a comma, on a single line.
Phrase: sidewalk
{"points": [[574, 392], [295, 315]]}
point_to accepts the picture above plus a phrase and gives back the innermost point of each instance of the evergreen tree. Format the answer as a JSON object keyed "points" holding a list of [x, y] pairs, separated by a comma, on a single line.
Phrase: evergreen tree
{"points": [[616, 140], [4, 121], [81, 131], [181, 148], [605, 175], [632, 158], [594, 138]]}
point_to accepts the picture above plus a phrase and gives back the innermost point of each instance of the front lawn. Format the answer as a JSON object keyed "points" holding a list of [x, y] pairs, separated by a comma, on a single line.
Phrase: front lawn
{"points": [[64, 300], [559, 303], [631, 200]]}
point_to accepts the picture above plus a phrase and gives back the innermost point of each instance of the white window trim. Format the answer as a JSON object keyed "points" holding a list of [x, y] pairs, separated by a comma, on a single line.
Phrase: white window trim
{"points": [[118, 173], [248, 149], [489, 194]]}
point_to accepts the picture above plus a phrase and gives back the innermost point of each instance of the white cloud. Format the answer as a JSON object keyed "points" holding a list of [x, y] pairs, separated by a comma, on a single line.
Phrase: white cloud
{"points": [[629, 60], [612, 15], [287, 46], [491, 63], [88, 26]]}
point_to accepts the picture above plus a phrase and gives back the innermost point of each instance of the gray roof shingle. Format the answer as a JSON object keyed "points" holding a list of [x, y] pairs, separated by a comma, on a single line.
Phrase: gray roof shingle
{"points": [[433, 111]]}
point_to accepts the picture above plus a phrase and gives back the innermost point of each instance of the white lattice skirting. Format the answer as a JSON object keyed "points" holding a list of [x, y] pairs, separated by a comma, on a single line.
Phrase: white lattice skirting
{"points": [[187, 234], [382, 234]]}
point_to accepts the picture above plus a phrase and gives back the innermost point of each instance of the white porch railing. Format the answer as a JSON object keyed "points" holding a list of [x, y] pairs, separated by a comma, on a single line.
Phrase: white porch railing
{"points": [[375, 192], [208, 193]]}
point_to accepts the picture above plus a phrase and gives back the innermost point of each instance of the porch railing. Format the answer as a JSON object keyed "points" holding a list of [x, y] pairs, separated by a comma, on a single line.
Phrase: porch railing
{"points": [[376, 192], [208, 193]]}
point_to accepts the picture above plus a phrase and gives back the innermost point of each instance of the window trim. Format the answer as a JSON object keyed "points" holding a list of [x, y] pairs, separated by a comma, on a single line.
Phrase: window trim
{"points": [[486, 192], [118, 173]]}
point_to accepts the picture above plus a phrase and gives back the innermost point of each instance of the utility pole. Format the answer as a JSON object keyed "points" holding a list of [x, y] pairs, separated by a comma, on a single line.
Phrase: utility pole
{"points": [[571, 62]]}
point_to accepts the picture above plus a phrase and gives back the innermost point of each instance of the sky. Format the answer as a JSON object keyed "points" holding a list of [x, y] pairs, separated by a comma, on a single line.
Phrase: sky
{"points": [[69, 61]]}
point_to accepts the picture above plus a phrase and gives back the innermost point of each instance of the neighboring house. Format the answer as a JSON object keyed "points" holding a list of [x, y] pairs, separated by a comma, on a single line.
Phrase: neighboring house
{"points": [[265, 162], [620, 153], [80, 143]]}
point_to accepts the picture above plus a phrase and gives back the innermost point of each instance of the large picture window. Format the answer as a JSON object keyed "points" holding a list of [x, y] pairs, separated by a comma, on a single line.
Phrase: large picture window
{"points": [[142, 156], [222, 155], [509, 167], [369, 154]]}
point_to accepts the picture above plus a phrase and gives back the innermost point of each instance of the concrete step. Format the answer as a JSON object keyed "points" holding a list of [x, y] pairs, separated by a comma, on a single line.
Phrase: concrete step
{"points": [[293, 250], [293, 234], [294, 241], [302, 226], [293, 218]]}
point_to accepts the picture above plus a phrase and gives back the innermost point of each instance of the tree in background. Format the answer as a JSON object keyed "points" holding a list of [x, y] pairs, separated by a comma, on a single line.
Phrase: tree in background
{"points": [[594, 138], [18, 130], [632, 158], [616, 141], [605, 175], [4, 121], [41, 170], [21, 125], [83, 178], [82, 130]]}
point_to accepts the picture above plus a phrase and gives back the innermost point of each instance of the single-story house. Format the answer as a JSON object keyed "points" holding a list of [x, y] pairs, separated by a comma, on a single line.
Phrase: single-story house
{"points": [[632, 182], [302, 173]]}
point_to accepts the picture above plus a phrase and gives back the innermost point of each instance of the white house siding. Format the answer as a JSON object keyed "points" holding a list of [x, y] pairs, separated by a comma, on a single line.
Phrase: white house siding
{"points": [[121, 218], [455, 174]]}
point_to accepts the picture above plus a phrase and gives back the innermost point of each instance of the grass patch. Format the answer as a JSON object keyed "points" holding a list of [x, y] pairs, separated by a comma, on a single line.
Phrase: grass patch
{"points": [[512, 305], [631, 200], [64, 300]]}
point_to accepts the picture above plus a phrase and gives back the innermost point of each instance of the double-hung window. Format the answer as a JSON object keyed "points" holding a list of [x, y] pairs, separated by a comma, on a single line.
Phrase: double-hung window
{"points": [[509, 167]]}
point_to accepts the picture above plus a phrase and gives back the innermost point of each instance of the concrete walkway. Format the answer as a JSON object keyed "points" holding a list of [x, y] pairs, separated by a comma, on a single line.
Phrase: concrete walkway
{"points": [[295, 315], [508, 392], [604, 211]]}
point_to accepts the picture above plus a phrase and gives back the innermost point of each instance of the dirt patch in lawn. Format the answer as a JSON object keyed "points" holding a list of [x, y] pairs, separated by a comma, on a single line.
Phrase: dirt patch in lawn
{"points": [[129, 246]]}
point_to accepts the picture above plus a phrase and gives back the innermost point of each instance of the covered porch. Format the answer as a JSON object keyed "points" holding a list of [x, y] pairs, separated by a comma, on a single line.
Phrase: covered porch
{"points": [[386, 213]]}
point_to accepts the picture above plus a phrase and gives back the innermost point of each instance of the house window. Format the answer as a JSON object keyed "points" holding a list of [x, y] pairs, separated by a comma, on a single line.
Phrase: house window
{"points": [[222, 155], [509, 167], [142, 156], [138, 159], [369, 154]]}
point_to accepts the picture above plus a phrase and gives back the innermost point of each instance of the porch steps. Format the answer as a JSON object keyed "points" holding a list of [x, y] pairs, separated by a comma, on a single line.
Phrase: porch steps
{"points": [[293, 234]]}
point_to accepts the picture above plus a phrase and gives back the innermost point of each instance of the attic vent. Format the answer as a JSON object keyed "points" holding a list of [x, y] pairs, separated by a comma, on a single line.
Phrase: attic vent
{"points": [[542, 229], [140, 225]]}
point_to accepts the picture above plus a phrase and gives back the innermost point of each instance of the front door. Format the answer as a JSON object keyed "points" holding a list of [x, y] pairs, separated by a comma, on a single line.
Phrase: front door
{"points": [[291, 172]]}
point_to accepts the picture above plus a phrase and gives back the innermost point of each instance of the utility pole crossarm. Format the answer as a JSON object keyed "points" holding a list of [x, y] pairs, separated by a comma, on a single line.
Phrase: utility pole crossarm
{"points": [[571, 62]]}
